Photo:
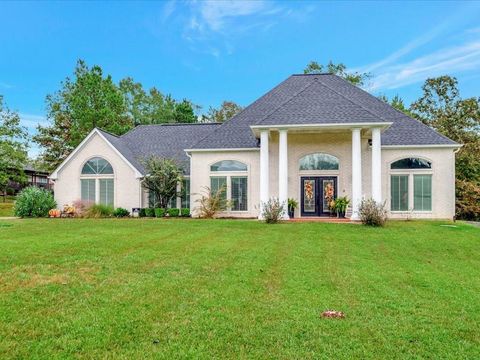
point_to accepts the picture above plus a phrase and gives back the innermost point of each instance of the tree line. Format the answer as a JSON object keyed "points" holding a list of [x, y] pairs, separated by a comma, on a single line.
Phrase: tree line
{"points": [[92, 99]]}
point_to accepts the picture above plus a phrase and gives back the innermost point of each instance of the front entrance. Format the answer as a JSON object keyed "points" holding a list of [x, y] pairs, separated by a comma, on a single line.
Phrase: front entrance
{"points": [[317, 192]]}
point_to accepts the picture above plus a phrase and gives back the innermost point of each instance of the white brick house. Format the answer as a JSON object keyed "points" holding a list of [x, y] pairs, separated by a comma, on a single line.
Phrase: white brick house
{"points": [[308, 135]]}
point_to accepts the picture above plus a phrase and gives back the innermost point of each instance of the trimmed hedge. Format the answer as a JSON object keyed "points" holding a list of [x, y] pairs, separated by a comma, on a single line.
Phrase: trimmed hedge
{"points": [[142, 212], [150, 212], [174, 212], [185, 212], [159, 212], [121, 212]]}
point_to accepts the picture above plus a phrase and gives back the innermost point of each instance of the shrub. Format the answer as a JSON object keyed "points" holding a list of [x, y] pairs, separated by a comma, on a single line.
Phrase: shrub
{"points": [[272, 211], [98, 211], [173, 212], [150, 212], [212, 203], [34, 202], [142, 213], [372, 213], [184, 212], [159, 212], [121, 212], [79, 207]]}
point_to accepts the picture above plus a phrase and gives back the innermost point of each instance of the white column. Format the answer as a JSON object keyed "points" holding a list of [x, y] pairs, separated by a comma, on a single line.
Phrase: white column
{"points": [[356, 172], [376, 165], [264, 170], [283, 171]]}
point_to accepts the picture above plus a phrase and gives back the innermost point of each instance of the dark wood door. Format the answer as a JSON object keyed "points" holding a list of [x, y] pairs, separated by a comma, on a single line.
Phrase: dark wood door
{"points": [[316, 192]]}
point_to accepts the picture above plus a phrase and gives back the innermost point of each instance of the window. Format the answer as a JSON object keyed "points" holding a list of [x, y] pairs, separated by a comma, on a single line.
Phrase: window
{"points": [[411, 185], [98, 166], [88, 189], [411, 163], [97, 183], [228, 165], [319, 161], [399, 192], [232, 176], [239, 193], [185, 194], [106, 191], [216, 183], [422, 192]]}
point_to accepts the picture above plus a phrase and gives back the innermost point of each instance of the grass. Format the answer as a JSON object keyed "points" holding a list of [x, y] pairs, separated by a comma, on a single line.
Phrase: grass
{"points": [[6, 208], [146, 288]]}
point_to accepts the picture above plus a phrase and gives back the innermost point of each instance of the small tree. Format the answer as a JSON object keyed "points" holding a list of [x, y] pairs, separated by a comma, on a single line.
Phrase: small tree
{"points": [[13, 149], [162, 179], [372, 213], [210, 203]]}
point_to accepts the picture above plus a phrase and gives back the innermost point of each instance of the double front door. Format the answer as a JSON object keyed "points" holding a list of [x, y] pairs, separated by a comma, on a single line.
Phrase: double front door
{"points": [[317, 194]]}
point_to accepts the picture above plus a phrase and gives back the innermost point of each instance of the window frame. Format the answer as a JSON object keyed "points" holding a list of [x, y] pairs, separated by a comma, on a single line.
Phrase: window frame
{"points": [[97, 178], [411, 188], [228, 175]]}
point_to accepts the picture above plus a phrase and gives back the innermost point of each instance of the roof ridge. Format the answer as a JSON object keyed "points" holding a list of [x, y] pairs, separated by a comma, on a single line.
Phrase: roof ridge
{"points": [[286, 101], [350, 100]]}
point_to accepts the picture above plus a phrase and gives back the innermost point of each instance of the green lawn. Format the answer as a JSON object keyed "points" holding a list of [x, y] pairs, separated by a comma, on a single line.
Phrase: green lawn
{"points": [[151, 288], [6, 208]]}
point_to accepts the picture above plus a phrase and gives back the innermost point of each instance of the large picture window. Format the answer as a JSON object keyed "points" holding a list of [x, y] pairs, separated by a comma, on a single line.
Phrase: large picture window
{"points": [[411, 185], [422, 192], [399, 192], [231, 175], [96, 182]]}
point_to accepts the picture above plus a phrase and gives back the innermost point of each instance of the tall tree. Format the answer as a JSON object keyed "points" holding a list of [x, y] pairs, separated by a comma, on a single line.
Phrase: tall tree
{"points": [[340, 69], [153, 107], [13, 148], [442, 108], [89, 100], [398, 103], [225, 112]]}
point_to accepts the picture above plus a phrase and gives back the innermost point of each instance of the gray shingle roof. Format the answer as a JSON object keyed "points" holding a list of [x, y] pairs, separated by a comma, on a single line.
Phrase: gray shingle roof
{"points": [[165, 140], [317, 99]]}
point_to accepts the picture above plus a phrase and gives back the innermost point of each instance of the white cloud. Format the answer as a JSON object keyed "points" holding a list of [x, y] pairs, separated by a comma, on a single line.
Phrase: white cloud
{"points": [[168, 10], [4, 85], [448, 60], [213, 27]]}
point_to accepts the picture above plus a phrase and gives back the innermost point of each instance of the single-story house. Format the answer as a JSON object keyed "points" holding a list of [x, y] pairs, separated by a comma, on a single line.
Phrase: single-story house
{"points": [[310, 137]]}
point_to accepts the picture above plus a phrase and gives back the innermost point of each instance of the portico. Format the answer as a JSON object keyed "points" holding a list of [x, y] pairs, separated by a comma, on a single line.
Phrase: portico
{"points": [[363, 138]]}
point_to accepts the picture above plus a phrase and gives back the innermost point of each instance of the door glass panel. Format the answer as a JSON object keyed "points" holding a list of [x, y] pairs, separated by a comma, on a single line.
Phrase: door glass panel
{"points": [[309, 196], [328, 194]]}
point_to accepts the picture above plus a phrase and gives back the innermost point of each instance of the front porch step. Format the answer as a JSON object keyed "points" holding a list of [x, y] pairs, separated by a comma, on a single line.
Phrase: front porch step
{"points": [[322, 219]]}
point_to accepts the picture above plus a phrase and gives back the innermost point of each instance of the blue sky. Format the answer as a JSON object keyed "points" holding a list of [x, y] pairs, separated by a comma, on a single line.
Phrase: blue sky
{"points": [[214, 51]]}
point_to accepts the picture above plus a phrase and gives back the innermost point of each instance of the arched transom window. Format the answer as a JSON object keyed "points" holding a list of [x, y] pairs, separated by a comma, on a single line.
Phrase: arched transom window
{"points": [[319, 161], [97, 183], [411, 163], [231, 177], [411, 185], [97, 165]]}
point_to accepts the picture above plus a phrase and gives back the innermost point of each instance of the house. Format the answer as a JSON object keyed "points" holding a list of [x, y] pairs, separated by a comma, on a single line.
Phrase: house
{"points": [[35, 177], [309, 137]]}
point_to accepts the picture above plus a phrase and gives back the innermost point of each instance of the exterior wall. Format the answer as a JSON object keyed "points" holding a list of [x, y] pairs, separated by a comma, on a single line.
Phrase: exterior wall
{"points": [[126, 186], [443, 180], [338, 144], [200, 177]]}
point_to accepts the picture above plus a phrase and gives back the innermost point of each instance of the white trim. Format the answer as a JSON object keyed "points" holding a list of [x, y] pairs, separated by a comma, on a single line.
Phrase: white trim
{"points": [[444, 146], [333, 126], [221, 150], [54, 174]]}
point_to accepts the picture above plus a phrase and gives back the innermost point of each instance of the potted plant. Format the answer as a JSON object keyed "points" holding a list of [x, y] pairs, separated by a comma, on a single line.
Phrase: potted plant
{"points": [[292, 205], [341, 204]]}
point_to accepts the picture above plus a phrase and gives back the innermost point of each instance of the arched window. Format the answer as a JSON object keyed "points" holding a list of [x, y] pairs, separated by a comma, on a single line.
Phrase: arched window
{"points": [[319, 161], [98, 166], [97, 183], [234, 186], [411, 185], [411, 163], [228, 165]]}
